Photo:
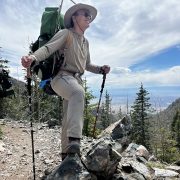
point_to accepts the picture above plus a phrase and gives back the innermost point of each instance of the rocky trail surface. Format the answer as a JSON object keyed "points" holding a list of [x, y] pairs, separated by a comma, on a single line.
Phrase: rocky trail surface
{"points": [[112, 156], [16, 150]]}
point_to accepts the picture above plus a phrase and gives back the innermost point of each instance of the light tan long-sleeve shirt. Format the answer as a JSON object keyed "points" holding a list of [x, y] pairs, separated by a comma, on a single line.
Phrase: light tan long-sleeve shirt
{"points": [[77, 56]]}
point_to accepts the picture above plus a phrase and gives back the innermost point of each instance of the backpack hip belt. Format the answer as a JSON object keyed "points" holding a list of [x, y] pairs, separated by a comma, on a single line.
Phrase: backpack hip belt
{"points": [[74, 74]]}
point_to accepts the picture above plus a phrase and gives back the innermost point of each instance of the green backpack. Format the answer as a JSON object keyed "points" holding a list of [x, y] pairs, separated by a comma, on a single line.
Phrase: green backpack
{"points": [[51, 22]]}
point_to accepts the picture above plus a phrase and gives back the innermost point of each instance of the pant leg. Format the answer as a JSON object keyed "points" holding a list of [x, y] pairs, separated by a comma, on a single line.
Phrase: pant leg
{"points": [[64, 138], [68, 87]]}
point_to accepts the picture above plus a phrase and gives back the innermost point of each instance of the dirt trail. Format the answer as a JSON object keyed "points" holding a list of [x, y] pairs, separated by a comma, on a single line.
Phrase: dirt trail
{"points": [[16, 155], [16, 159]]}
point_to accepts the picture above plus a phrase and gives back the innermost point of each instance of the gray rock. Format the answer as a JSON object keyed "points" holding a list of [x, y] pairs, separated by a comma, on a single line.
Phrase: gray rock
{"points": [[130, 150], [132, 165], [174, 168], [52, 123], [102, 160], [135, 176], [2, 146], [142, 152], [164, 173], [48, 161], [177, 162]]}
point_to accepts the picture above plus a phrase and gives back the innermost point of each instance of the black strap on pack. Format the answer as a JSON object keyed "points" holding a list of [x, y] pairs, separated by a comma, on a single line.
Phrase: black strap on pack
{"points": [[97, 111]]}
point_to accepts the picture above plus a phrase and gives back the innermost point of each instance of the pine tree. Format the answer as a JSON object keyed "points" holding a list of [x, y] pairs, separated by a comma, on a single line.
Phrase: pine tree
{"points": [[89, 119], [3, 66], [166, 147], [175, 128], [140, 119], [119, 114], [104, 121], [106, 111]]}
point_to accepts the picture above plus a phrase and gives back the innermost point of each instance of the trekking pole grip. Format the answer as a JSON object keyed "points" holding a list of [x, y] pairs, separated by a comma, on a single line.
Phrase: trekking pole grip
{"points": [[103, 83]]}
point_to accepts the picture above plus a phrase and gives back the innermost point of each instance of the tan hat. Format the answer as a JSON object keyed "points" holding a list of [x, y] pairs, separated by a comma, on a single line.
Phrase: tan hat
{"points": [[76, 7]]}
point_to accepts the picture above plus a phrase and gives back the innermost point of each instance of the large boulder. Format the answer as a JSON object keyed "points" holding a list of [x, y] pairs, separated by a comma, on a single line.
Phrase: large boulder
{"points": [[70, 169], [102, 160], [120, 132], [119, 129]]}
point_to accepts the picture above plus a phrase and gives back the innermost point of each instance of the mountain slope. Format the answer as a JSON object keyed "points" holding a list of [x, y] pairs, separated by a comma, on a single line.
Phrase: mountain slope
{"points": [[168, 114]]}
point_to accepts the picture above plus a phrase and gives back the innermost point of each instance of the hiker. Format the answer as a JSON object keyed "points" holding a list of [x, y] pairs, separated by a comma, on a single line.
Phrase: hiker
{"points": [[5, 84], [68, 83]]}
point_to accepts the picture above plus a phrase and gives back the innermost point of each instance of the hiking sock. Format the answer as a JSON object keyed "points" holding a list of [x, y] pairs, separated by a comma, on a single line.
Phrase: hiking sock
{"points": [[74, 146]]}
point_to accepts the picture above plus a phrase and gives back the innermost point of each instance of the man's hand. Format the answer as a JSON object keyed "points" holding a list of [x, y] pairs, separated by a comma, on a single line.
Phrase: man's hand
{"points": [[26, 61], [105, 69]]}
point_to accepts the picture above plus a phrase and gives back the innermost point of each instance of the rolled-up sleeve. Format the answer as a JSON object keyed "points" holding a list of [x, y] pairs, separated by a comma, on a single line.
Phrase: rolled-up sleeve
{"points": [[55, 43]]}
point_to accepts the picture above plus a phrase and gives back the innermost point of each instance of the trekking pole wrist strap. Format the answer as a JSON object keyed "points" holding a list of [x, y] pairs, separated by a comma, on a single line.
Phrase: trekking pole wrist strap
{"points": [[101, 70]]}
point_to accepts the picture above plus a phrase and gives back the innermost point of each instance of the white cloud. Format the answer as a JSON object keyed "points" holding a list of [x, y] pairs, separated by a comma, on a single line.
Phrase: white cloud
{"points": [[123, 34], [123, 78], [144, 28], [168, 77], [118, 70]]}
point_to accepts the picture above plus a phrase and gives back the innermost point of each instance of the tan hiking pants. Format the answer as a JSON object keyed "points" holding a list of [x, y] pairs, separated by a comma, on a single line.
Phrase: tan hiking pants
{"points": [[69, 88]]}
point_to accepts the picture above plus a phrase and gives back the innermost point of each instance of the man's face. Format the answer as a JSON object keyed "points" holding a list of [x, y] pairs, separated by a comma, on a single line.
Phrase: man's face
{"points": [[83, 18]]}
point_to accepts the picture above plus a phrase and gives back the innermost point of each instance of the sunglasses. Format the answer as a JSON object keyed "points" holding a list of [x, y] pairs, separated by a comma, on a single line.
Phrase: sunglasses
{"points": [[85, 14]]}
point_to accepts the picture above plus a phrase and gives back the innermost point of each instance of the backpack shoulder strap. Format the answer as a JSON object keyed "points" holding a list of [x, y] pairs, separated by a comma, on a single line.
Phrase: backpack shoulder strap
{"points": [[68, 40]]}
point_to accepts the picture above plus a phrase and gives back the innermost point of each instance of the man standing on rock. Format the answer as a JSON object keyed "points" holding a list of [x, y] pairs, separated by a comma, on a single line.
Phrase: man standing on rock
{"points": [[68, 83]]}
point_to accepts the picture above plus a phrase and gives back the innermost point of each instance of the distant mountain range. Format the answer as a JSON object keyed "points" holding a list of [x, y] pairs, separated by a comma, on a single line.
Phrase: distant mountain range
{"points": [[17, 83], [168, 114]]}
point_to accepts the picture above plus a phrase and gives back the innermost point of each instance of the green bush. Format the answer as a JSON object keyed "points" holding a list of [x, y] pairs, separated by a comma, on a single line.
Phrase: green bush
{"points": [[157, 164], [170, 155]]}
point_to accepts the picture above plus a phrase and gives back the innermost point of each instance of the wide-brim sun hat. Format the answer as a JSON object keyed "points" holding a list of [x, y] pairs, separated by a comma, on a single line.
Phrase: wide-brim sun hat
{"points": [[68, 15]]}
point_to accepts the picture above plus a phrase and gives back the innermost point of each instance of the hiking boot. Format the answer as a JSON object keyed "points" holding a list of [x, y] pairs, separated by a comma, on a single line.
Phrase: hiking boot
{"points": [[71, 166], [70, 169], [73, 148]]}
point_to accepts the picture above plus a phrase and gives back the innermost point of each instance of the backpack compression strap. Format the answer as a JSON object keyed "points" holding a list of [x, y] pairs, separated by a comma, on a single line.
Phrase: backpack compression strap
{"points": [[61, 52]]}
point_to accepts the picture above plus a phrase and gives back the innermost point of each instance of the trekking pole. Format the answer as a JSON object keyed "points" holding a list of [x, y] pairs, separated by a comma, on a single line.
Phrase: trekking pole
{"points": [[97, 111], [30, 114], [60, 7], [72, 1]]}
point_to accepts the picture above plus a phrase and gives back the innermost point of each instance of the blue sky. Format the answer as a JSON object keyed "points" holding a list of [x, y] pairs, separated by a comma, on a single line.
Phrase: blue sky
{"points": [[139, 39]]}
